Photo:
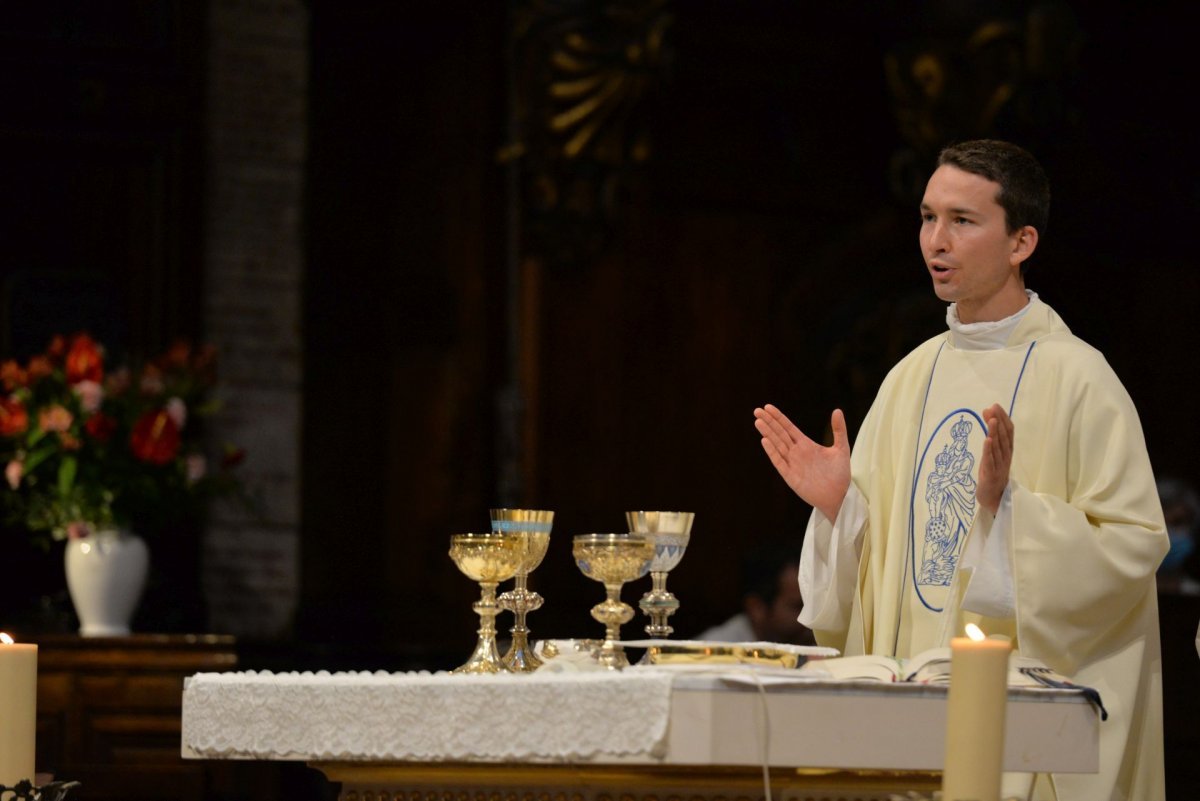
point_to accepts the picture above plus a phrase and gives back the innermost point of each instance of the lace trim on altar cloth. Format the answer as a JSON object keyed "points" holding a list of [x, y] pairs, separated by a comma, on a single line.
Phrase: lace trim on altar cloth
{"points": [[425, 716]]}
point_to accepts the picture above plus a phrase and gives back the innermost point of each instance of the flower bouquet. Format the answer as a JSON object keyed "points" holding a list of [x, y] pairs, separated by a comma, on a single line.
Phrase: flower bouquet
{"points": [[88, 447], [109, 459]]}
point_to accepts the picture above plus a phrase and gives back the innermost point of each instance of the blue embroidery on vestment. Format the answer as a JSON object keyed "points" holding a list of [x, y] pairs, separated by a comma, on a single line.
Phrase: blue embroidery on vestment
{"points": [[949, 484], [949, 539]]}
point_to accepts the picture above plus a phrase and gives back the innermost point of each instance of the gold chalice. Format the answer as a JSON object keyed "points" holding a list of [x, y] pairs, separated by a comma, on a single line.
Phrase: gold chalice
{"points": [[488, 559], [533, 527], [613, 559], [670, 532]]}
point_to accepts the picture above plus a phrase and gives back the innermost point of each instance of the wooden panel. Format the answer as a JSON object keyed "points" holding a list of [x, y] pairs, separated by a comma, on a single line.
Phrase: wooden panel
{"points": [[109, 714]]}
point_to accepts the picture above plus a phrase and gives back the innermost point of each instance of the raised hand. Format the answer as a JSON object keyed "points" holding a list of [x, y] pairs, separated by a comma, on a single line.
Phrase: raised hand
{"points": [[996, 459], [820, 475]]}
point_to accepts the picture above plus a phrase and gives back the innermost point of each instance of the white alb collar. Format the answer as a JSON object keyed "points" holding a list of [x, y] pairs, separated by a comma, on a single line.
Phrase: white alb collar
{"points": [[988, 335]]}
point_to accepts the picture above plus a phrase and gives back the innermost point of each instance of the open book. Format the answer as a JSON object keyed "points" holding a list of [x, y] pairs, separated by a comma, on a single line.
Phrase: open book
{"points": [[927, 667]]}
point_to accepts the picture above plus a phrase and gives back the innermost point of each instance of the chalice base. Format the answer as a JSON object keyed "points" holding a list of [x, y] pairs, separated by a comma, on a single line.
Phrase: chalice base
{"points": [[612, 655], [520, 658], [485, 659]]}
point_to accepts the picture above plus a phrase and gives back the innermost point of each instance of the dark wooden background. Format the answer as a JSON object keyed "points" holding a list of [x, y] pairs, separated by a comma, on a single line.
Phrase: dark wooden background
{"points": [[766, 250], [760, 254]]}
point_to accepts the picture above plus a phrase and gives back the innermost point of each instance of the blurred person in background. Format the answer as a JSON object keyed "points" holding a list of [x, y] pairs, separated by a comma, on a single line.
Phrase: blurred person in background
{"points": [[1180, 569], [771, 600]]}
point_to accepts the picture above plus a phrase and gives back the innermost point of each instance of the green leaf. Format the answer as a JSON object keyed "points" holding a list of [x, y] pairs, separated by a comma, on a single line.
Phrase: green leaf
{"points": [[66, 475], [38, 456]]}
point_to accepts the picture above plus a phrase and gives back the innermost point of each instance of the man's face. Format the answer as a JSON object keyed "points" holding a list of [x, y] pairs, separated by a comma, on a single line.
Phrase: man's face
{"points": [[972, 258], [777, 622]]}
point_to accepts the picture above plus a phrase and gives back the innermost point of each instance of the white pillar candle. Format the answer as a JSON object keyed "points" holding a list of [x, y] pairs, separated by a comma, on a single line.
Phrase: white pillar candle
{"points": [[18, 710], [975, 717]]}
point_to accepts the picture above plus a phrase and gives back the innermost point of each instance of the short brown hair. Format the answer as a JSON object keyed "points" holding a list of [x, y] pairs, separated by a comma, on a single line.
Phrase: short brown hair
{"points": [[1024, 189]]}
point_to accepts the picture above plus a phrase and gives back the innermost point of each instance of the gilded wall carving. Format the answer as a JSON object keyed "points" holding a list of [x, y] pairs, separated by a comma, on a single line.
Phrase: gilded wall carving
{"points": [[1004, 77], [582, 78]]}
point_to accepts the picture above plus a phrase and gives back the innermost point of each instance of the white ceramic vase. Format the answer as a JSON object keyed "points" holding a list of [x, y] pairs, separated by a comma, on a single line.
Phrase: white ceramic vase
{"points": [[106, 574]]}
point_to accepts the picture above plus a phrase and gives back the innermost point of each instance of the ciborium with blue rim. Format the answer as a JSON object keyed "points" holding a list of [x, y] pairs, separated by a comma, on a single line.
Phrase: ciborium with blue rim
{"points": [[532, 526], [670, 532], [613, 560]]}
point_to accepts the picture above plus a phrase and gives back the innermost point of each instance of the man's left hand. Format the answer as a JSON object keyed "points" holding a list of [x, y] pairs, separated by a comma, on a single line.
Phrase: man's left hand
{"points": [[996, 459]]}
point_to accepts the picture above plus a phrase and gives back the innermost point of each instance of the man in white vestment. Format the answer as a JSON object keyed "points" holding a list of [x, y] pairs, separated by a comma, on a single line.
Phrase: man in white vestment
{"points": [[1000, 477]]}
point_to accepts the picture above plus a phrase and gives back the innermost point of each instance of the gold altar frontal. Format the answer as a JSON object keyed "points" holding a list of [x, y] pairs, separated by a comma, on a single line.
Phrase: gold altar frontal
{"points": [[473, 782]]}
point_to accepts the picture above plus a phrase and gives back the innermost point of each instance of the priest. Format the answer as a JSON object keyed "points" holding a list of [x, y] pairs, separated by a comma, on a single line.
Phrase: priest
{"points": [[1000, 477]]}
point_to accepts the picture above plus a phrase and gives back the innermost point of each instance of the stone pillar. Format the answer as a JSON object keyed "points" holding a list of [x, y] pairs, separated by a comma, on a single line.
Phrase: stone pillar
{"points": [[255, 148]]}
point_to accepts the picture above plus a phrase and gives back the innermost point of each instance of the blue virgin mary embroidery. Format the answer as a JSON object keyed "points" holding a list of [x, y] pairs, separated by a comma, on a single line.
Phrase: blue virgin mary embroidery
{"points": [[943, 502]]}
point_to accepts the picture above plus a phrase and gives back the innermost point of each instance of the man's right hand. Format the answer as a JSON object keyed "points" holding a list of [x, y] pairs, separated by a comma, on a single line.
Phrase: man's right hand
{"points": [[819, 475]]}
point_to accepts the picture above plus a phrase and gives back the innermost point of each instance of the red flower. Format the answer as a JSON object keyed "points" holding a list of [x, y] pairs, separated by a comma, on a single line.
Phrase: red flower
{"points": [[39, 367], [12, 375], [177, 356], [100, 426], [13, 417], [155, 438], [57, 348], [85, 362]]}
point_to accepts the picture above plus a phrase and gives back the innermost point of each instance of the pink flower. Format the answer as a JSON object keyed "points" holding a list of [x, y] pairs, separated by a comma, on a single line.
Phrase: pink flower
{"points": [[13, 472], [56, 418], [90, 395], [177, 411], [196, 467]]}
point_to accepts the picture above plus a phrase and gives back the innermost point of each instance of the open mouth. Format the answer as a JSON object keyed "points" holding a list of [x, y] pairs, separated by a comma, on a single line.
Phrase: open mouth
{"points": [[938, 269]]}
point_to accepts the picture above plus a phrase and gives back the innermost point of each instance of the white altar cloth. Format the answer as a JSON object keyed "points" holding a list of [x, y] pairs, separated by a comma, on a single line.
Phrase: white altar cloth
{"points": [[425, 716], [639, 716]]}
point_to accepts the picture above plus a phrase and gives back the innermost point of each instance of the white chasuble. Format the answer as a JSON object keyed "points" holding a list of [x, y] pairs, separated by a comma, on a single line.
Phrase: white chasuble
{"points": [[1081, 531], [950, 436]]}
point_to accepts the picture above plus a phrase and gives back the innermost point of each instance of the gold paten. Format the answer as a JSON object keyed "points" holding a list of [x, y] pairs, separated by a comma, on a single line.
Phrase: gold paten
{"points": [[670, 532], [533, 527], [488, 559], [732, 654], [613, 559]]}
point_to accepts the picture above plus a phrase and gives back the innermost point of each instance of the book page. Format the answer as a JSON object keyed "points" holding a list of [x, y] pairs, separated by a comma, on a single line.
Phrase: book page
{"points": [[928, 667], [865, 667]]}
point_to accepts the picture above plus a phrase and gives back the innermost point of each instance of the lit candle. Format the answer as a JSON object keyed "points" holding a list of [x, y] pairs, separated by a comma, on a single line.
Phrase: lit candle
{"points": [[18, 710], [975, 717]]}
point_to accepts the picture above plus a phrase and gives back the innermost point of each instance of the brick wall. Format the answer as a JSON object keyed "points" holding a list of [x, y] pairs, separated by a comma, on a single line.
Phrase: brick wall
{"points": [[255, 151]]}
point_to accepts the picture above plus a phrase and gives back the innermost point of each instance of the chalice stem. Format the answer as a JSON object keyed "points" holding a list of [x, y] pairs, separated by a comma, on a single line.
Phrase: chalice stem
{"points": [[612, 623], [486, 658], [659, 604], [658, 582], [520, 658]]}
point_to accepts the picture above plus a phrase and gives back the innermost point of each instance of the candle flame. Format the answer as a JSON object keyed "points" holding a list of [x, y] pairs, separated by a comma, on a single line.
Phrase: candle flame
{"points": [[4, 638], [975, 633]]}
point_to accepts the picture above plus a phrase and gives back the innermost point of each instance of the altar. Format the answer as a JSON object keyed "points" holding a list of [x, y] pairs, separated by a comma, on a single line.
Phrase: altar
{"points": [[643, 734]]}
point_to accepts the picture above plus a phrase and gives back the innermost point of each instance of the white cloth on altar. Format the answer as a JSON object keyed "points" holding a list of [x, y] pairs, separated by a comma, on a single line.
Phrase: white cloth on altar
{"points": [[425, 716]]}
